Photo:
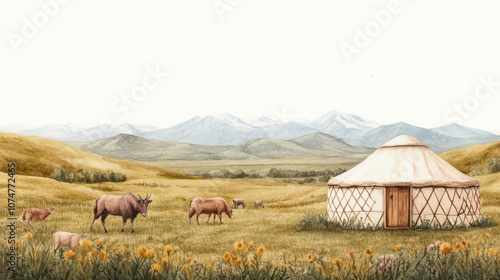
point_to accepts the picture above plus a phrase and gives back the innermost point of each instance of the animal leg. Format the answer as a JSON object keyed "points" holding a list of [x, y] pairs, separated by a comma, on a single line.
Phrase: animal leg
{"points": [[123, 224], [96, 216], [132, 222], [103, 217], [56, 244], [209, 217], [197, 215], [220, 218], [214, 218]]}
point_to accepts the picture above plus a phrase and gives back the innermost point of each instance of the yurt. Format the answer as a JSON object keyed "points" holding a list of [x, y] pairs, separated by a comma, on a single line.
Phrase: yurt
{"points": [[404, 184]]}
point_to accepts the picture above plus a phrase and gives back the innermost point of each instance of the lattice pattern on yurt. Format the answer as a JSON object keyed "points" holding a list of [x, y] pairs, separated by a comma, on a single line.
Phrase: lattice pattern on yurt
{"points": [[363, 204], [446, 206]]}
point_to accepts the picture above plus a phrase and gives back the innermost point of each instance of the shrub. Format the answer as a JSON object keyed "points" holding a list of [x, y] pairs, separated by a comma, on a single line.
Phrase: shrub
{"points": [[319, 221], [90, 176]]}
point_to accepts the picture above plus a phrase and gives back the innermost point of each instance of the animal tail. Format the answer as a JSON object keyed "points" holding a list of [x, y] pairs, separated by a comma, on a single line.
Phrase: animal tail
{"points": [[95, 206]]}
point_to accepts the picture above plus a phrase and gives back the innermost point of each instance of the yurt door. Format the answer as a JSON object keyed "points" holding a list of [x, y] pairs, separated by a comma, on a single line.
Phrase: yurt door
{"points": [[397, 203]]}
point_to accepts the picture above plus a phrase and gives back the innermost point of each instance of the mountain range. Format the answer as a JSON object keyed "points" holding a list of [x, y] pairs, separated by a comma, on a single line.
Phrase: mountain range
{"points": [[228, 130], [126, 146]]}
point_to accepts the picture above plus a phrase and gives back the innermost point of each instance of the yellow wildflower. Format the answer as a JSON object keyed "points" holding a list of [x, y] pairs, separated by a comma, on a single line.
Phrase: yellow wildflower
{"points": [[491, 251], [15, 244], [261, 250], [227, 257], [176, 248], [313, 261], [80, 260], [141, 251], [319, 267], [445, 248], [102, 255], [86, 243], [411, 255], [368, 251], [164, 261], [156, 267], [354, 267], [91, 261], [111, 241], [336, 261], [309, 257], [234, 256], [251, 244], [168, 249], [237, 262], [486, 235], [39, 250], [239, 245], [98, 241], [457, 247], [93, 254], [149, 254], [283, 251], [28, 235], [396, 248], [68, 255]]}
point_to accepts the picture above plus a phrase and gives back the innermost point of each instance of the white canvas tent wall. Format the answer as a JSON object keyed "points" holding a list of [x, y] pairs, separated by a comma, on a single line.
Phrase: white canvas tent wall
{"points": [[403, 184]]}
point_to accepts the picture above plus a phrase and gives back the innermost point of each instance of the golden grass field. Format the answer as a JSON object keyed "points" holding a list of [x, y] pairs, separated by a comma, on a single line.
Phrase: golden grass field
{"points": [[167, 223]]}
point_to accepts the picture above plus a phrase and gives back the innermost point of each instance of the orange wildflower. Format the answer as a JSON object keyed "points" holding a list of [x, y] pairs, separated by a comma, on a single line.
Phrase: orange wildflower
{"points": [[445, 248]]}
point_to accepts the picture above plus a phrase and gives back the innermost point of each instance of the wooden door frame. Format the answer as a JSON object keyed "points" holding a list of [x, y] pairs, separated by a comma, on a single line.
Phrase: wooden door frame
{"points": [[410, 207]]}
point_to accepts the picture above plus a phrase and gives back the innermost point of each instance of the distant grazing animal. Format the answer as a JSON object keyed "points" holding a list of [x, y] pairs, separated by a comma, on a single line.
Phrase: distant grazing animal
{"points": [[35, 214], [258, 203], [237, 202], [126, 205], [67, 239], [209, 206]]}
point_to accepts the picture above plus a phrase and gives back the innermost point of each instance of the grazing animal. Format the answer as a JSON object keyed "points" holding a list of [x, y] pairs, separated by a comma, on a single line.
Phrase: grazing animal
{"points": [[67, 239], [209, 206], [237, 202], [126, 205], [35, 214], [258, 203]]}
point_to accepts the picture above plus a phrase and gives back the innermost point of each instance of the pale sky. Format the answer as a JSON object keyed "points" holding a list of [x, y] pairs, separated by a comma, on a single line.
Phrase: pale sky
{"points": [[427, 63]]}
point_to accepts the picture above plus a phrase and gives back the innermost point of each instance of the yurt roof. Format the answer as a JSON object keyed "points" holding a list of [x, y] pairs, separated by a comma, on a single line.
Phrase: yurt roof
{"points": [[403, 161]]}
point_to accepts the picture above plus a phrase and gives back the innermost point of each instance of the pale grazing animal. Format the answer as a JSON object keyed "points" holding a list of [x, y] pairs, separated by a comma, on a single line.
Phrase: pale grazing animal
{"points": [[35, 214], [209, 206], [67, 239], [258, 203], [237, 202], [126, 205]]}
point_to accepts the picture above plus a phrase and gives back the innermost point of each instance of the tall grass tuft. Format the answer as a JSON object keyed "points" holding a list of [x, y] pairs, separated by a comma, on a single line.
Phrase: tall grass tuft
{"points": [[314, 221]]}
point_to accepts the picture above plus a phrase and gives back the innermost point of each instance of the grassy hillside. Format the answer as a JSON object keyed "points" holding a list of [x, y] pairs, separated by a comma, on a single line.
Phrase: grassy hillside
{"points": [[466, 159], [37, 156], [167, 222]]}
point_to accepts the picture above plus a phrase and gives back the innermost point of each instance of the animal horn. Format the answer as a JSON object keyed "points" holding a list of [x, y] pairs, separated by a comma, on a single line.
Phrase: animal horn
{"points": [[148, 196], [140, 197]]}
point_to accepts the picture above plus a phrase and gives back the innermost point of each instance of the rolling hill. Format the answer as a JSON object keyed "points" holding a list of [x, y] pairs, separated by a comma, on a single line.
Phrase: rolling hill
{"points": [[473, 157], [137, 148], [37, 156], [384, 133]]}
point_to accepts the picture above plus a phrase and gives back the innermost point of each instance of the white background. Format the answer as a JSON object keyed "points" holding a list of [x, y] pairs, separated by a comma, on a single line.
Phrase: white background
{"points": [[260, 57]]}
